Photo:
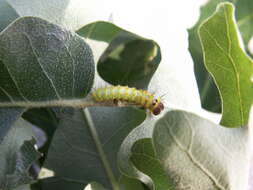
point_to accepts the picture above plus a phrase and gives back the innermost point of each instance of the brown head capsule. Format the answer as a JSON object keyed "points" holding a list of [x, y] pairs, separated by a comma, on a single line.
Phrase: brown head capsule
{"points": [[157, 106]]}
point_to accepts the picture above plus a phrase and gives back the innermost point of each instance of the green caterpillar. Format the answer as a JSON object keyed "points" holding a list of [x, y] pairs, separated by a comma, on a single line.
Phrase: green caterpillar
{"points": [[131, 95]]}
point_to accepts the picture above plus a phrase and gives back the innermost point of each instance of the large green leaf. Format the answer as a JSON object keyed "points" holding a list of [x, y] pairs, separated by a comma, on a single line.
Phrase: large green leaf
{"points": [[209, 94], [197, 153], [180, 157], [89, 144], [120, 62], [59, 63], [231, 68], [17, 151]]}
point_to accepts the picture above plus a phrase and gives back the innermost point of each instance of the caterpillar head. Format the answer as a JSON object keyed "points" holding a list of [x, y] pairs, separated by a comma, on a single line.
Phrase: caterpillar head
{"points": [[157, 106]]}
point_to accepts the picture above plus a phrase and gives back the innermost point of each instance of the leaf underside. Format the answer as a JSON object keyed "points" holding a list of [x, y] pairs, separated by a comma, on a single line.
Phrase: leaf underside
{"points": [[230, 66]]}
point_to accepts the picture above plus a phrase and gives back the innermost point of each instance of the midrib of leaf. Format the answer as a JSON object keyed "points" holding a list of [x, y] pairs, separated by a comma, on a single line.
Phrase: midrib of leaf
{"points": [[234, 67], [88, 118], [190, 156], [42, 68]]}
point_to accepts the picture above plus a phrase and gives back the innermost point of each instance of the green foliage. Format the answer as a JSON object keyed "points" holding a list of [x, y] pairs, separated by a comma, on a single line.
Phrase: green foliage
{"points": [[44, 63], [182, 149], [184, 140], [53, 57], [231, 68], [94, 144], [209, 93], [121, 63], [143, 155], [45, 119]]}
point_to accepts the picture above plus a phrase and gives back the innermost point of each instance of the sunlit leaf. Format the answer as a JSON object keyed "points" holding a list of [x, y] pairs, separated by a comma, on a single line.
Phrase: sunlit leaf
{"points": [[231, 68]]}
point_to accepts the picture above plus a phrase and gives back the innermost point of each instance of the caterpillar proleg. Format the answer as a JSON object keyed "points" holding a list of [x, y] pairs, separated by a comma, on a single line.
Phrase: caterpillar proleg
{"points": [[132, 95]]}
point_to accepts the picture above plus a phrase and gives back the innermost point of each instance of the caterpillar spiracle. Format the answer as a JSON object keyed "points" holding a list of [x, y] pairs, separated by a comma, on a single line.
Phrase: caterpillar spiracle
{"points": [[142, 98]]}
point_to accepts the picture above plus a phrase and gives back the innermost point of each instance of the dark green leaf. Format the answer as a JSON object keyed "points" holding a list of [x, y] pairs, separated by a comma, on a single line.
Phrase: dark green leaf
{"points": [[209, 94], [90, 151], [122, 63], [63, 183], [43, 64], [127, 183], [52, 183], [45, 118], [231, 68]]}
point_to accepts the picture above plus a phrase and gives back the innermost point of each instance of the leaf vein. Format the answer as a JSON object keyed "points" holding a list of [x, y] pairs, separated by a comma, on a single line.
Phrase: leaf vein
{"points": [[15, 82], [75, 148], [42, 68], [6, 93], [115, 133], [73, 65], [234, 67], [219, 46], [192, 158]]}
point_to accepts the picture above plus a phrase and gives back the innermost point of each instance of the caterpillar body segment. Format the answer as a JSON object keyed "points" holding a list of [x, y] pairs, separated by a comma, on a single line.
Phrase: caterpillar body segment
{"points": [[131, 95]]}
